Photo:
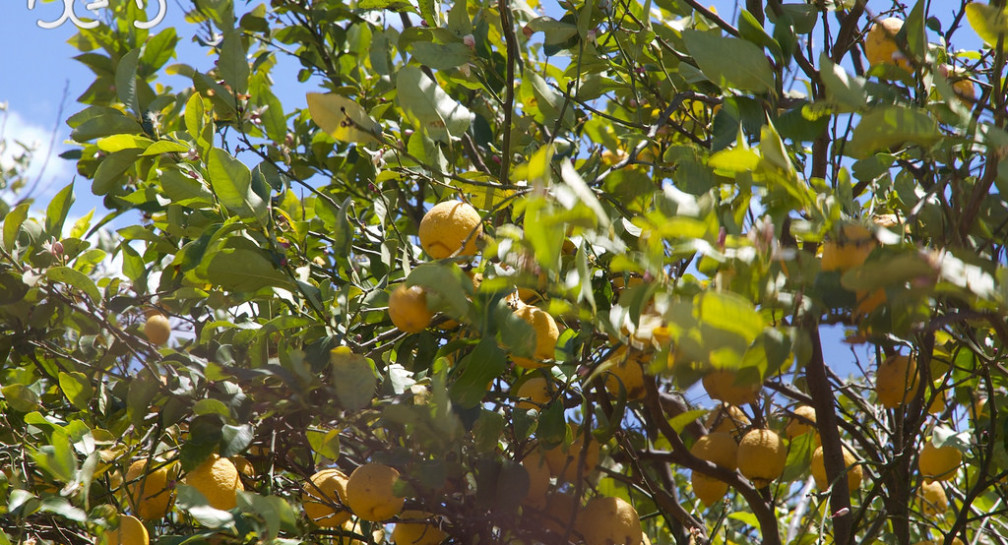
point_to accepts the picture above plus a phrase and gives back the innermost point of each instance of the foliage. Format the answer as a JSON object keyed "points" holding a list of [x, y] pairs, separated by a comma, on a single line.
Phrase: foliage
{"points": [[652, 174]]}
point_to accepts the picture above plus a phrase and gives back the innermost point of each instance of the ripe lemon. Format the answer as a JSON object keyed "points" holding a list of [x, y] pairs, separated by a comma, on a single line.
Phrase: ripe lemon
{"points": [[626, 371], [243, 465], [609, 521], [896, 380], [157, 329], [560, 512], [354, 525], [563, 459], [932, 498], [217, 479], [534, 393], [130, 532], [723, 386], [546, 335], [539, 479], [416, 533], [709, 489], [148, 492], [407, 308], [321, 497], [802, 425], [880, 44], [718, 448], [854, 471], [727, 418], [450, 228], [938, 402], [939, 463], [849, 248], [370, 492], [761, 456]]}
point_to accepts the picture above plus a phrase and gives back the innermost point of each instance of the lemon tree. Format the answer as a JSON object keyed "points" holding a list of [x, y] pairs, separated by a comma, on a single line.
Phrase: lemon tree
{"points": [[376, 271]]}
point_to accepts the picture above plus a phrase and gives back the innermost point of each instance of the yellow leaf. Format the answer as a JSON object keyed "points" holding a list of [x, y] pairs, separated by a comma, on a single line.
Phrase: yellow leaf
{"points": [[342, 118]]}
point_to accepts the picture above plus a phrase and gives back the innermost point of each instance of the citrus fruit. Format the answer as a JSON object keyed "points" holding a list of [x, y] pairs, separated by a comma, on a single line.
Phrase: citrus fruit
{"points": [[709, 489], [130, 532], [896, 380], [939, 463], [609, 520], [534, 393], [718, 448], [539, 479], [804, 423], [880, 44], [727, 418], [761, 456], [450, 228], [563, 459], [370, 492], [724, 386], [157, 329], [932, 498], [546, 335], [217, 479], [849, 248], [148, 491], [854, 471], [407, 308], [414, 532], [322, 496], [625, 371]]}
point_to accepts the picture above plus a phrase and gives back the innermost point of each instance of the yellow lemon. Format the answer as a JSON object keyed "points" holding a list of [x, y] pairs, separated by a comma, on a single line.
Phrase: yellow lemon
{"points": [[761, 456], [625, 371], [563, 459], [322, 497], [450, 228], [803, 424], [534, 393], [723, 386], [939, 463], [709, 489], [370, 492], [854, 472], [849, 248], [896, 380], [727, 418], [157, 329], [880, 44], [130, 532], [546, 335], [718, 448], [407, 308], [408, 532], [932, 498], [609, 521], [148, 491], [217, 479]]}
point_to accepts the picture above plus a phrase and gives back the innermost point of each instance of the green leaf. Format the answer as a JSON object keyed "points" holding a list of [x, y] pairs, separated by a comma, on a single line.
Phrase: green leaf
{"points": [[12, 224], [20, 397], [62, 507], [989, 22], [75, 279], [105, 124], [487, 431], [109, 175], [428, 10], [233, 66], [916, 34], [733, 61], [680, 422], [185, 190], [342, 118], [125, 81], [119, 142], [582, 192], [884, 128], [842, 89], [57, 458], [165, 146], [326, 444], [231, 180], [751, 30], [729, 312], [485, 363], [447, 283], [235, 439], [57, 211], [242, 267], [441, 56], [439, 115], [353, 379], [77, 388], [391, 5]]}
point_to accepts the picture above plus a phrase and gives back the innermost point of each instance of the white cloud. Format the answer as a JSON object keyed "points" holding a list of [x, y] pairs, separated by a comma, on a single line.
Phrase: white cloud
{"points": [[20, 134]]}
